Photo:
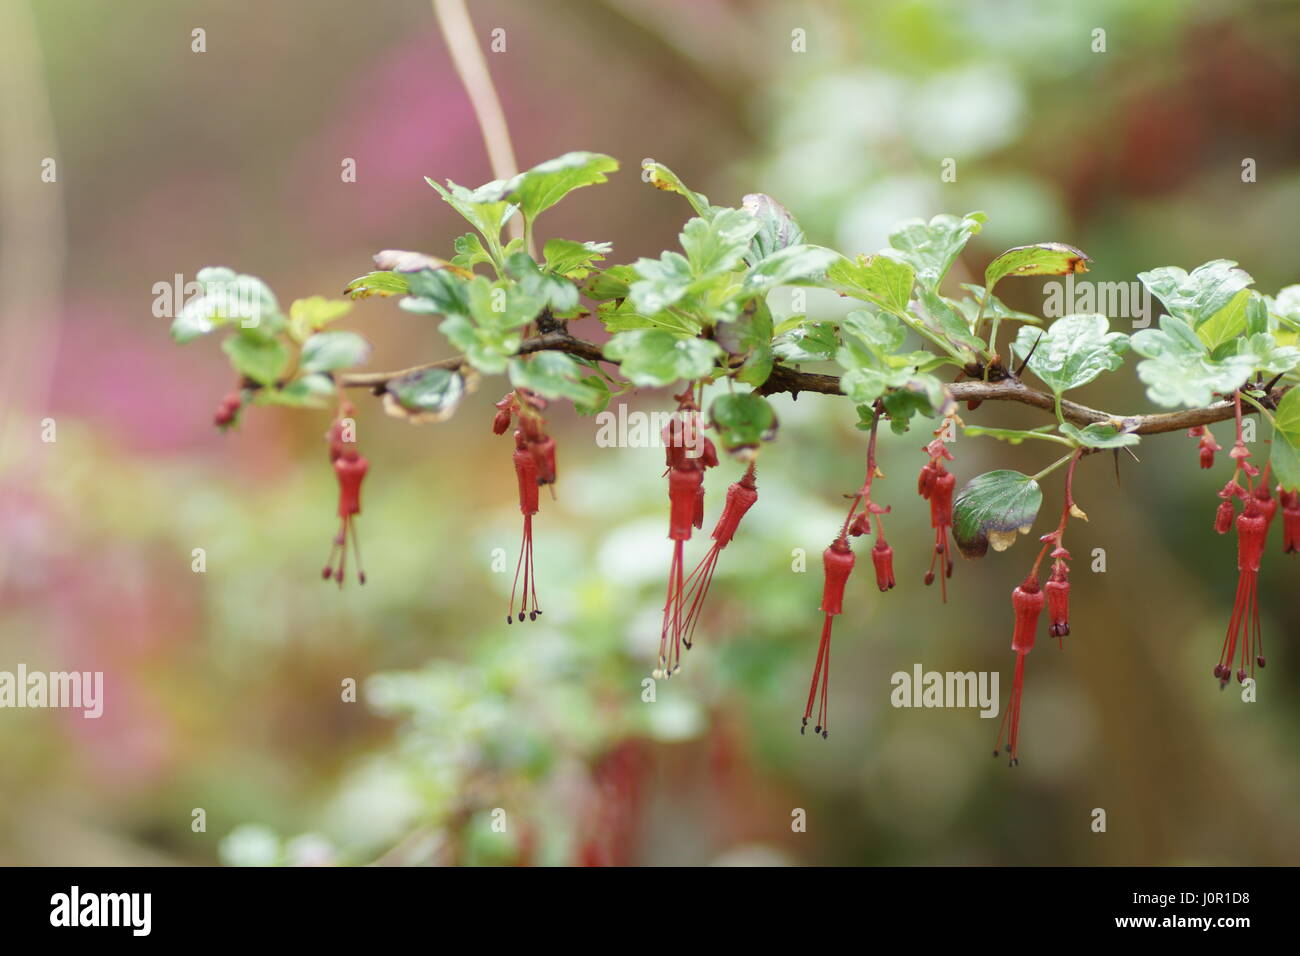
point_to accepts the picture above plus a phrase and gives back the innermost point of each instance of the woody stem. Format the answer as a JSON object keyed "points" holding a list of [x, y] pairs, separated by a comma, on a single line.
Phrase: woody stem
{"points": [[792, 380]]}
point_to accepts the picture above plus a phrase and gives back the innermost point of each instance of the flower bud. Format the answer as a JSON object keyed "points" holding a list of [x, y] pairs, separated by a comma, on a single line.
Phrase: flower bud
{"points": [[882, 556], [1223, 516]]}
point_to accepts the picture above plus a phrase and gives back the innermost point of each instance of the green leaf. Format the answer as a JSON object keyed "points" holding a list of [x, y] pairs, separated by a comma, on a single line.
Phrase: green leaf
{"points": [[788, 265], [1287, 417], [228, 297], [810, 342], [470, 252], [921, 394], [552, 375], [573, 260], [877, 279], [1228, 323], [777, 229], [757, 367], [930, 248], [881, 332], [714, 247], [1014, 436], [1197, 296], [992, 509], [1178, 369], [718, 244], [653, 357], [1073, 351], [307, 391], [1285, 460], [541, 187], [943, 317], [1099, 435], [1261, 351], [262, 360], [1040, 259], [311, 315], [484, 208], [742, 420], [437, 292], [661, 177], [429, 395], [377, 283], [611, 283], [556, 293], [327, 351]]}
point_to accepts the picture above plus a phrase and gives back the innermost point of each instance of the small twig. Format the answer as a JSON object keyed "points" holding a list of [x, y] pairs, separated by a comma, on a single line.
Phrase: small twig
{"points": [[471, 67]]}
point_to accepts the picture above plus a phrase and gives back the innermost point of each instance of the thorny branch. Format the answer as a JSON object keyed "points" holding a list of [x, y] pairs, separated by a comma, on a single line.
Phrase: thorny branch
{"points": [[787, 379]]}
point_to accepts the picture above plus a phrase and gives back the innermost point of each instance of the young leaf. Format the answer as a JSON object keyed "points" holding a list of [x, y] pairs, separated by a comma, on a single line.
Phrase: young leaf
{"points": [[1040, 259], [653, 357], [777, 229], [877, 279], [262, 360], [1178, 369], [311, 315], [327, 351], [1228, 323], [1195, 297], [403, 261], [484, 208], [992, 509], [742, 421], [377, 283], [1073, 351], [541, 187], [930, 248], [573, 260], [429, 395], [661, 177], [1099, 435]]}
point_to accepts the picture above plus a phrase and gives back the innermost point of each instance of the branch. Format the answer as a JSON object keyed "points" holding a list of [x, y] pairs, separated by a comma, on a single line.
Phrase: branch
{"points": [[792, 380]]}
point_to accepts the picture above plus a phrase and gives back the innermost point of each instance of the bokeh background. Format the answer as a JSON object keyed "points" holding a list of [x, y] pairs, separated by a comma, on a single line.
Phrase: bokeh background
{"points": [[223, 687]]}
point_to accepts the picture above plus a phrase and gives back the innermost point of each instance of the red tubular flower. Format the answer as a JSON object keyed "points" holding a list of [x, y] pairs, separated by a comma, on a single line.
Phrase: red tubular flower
{"points": [[1223, 516], [350, 469], [1058, 600], [228, 410], [1290, 520], [882, 556], [936, 484], [1243, 626], [837, 564], [534, 459], [941, 520], [1027, 601], [1207, 445], [1265, 501], [741, 496], [526, 475]]}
